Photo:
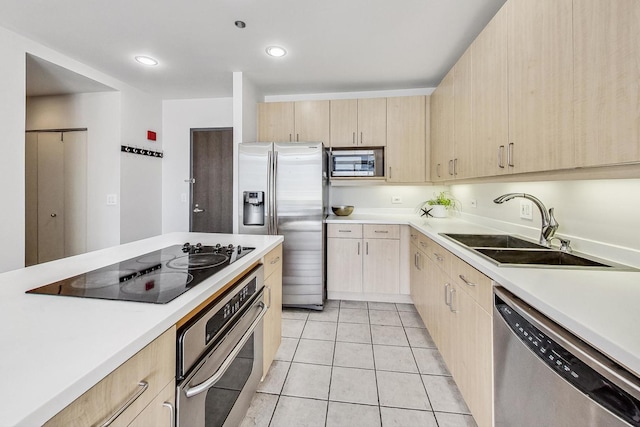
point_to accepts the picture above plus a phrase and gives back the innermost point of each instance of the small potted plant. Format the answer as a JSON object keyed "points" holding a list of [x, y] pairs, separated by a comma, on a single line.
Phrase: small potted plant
{"points": [[439, 206]]}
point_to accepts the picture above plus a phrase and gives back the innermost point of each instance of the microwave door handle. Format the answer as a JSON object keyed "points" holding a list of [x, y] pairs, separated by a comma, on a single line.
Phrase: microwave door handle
{"points": [[209, 382]]}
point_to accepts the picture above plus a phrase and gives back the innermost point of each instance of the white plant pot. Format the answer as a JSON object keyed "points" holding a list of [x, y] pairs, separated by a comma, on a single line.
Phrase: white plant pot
{"points": [[439, 211]]}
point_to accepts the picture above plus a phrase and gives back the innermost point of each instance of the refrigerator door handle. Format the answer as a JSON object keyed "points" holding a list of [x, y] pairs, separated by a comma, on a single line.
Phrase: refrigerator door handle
{"points": [[275, 193]]}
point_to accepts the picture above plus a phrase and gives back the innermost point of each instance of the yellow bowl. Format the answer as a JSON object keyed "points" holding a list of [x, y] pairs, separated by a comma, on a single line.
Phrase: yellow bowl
{"points": [[342, 210]]}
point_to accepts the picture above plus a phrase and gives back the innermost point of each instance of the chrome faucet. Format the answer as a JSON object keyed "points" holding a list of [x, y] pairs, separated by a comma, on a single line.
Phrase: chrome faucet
{"points": [[549, 223]]}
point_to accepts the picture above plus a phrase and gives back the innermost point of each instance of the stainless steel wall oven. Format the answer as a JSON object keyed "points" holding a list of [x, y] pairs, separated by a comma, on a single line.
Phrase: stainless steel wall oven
{"points": [[219, 357]]}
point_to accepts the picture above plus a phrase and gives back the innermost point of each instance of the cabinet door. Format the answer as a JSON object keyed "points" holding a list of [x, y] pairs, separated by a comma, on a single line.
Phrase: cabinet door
{"points": [[442, 132], [312, 121], [276, 121], [272, 324], [540, 67], [372, 122], [344, 123], [161, 411], [607, 86], [464, 163], [344, 265], [381, 266], [406, 144], [490, 97]]}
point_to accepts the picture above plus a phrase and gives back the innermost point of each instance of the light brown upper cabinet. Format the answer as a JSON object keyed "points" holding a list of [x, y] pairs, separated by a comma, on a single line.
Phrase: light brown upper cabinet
{"points": [[490, 108], [294, 121], [442, 129], [607, 83], [406, 134], [463, 164], [359, 122], [540, 69]]}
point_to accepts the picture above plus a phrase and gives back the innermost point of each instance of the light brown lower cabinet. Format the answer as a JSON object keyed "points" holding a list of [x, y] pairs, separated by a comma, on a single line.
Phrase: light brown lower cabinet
{"points": [[454, 301], [272, 321], [161, 411], [125, 393]]}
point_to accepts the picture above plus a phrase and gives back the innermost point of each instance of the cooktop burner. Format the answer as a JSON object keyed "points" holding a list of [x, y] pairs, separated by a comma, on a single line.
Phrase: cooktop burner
{"points": [[155, 277]]}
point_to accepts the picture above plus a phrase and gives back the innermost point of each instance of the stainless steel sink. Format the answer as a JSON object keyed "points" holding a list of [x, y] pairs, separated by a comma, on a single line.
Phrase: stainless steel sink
{"points": [[506, 250], [492, 241]]}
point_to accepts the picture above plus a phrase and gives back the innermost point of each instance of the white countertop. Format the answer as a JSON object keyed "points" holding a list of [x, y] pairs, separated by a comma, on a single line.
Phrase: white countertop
{"points": [[53, 349], [600, 307]]}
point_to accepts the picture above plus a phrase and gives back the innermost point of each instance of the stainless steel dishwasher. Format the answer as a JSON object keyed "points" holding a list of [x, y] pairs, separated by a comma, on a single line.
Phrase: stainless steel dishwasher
{"points": [[545, 376]]}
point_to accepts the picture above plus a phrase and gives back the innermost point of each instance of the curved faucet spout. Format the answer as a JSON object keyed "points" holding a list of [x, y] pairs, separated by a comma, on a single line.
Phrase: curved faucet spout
{"points": [[549, 223]]}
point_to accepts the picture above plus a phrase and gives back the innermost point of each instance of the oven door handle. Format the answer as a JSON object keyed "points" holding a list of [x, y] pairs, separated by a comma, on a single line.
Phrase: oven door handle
{"points": [[208, 383]]}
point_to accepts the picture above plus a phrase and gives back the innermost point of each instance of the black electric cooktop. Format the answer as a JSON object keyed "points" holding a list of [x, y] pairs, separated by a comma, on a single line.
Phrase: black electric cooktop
{"points": [[156, 277]]}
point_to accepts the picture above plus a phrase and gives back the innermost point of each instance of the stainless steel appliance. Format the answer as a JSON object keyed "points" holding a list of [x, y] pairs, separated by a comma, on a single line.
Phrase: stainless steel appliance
{"points": [[545, 376], [286, 185], [155, 277], [357, 163], [219, 357]]}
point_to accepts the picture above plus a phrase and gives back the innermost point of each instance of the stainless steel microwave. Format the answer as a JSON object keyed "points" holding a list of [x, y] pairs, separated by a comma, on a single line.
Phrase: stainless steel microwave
{"points": [[357, 163]]}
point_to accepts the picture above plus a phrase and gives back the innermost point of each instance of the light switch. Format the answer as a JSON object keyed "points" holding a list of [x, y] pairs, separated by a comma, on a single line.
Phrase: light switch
{"points": [[526, 209], [396, 199], [112, 199], [183, 197]]}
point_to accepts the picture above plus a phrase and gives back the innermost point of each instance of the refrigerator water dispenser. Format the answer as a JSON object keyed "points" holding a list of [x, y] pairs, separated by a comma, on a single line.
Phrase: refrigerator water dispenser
{"points": [[253, 208]]}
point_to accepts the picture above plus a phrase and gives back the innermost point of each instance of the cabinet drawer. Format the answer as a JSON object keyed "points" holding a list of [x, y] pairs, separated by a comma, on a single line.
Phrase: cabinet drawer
{"points": [[155, 365], [161, 410], [347, 231], [473, 282], [272, 261], [381, 231], [440, 256]]}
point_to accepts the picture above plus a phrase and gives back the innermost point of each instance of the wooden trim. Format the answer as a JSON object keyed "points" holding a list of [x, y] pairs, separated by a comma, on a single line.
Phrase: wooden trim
{"points": [[213, 297]]}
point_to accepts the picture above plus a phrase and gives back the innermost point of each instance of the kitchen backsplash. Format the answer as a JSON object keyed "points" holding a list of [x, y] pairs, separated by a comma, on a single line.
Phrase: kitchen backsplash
{"points": [[382, 196]]}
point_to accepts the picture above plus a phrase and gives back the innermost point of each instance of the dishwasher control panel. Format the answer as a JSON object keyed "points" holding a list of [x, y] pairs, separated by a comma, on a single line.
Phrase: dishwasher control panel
{"points": [[570, 367]]}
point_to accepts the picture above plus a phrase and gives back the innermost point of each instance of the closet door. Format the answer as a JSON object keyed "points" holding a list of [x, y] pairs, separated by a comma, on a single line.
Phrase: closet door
{"points": [[50, 197]]}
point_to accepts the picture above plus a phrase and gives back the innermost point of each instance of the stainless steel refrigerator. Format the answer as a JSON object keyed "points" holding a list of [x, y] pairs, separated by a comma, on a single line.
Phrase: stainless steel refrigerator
{"points": [[283, 190]]}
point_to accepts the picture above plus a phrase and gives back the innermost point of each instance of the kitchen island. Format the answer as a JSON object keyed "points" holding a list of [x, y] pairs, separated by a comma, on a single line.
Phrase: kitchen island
{"points": [[55, 348]]}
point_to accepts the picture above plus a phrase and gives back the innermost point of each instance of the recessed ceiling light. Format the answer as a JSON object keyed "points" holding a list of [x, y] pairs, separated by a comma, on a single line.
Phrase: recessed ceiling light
{"points": [[240, 24], [276, 51], [146, 60]]}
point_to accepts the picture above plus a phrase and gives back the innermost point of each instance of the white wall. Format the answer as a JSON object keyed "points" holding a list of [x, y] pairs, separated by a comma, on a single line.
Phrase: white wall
{"points": [[604, 211], [379, 196], [178, 118], [13, 50]]}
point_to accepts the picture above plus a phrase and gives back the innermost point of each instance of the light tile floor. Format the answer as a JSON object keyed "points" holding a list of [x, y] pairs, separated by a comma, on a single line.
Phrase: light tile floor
{"points": [[357, 364]]}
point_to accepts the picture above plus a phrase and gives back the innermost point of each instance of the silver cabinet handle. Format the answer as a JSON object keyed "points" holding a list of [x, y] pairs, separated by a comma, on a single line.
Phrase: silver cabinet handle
{"points": [[142, 387], [358, 248], [438, 257], [419, 266], [366, 248], [269, 289], [510, 155], [290, 138], [451, 292], [438, 170], [466, 282], [415, 260], [344, 231], [172, 413], [361, 140], [53, 215], [389, 172], [455, 167], [297, 137], [353, 139], [500, 156], [446, 292], [208, 383], [381, 231], [451, 167], [275, 260]]}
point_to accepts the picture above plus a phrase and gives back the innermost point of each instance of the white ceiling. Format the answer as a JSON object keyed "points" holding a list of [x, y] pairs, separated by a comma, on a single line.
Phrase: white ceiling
{"points": [[333, 45]]}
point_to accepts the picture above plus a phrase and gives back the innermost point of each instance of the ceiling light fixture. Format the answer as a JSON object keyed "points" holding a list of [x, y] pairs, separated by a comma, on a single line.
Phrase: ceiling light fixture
{"points": [[240, 24], [276, 51], [146, 60]]}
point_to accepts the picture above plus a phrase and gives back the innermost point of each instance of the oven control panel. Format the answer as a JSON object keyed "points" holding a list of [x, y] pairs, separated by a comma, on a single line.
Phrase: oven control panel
{"points": [[226, 312]]}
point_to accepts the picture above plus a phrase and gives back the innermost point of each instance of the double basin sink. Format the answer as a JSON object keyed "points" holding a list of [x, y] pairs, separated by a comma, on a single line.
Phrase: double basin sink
{"points": [[509, 250]]}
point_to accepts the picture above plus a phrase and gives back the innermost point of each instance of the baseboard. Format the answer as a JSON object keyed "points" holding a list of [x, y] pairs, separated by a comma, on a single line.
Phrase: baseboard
{"points": [[363, 296]]}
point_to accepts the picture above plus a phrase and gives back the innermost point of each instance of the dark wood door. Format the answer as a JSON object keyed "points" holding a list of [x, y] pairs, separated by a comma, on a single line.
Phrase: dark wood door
{"points": [[212, 170]]}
